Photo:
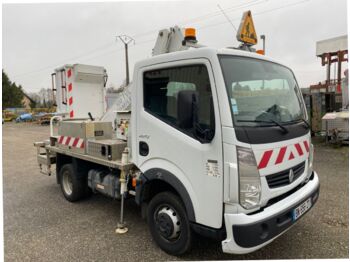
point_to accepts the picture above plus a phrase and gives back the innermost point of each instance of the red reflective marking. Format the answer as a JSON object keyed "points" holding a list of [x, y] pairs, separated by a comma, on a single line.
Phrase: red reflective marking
{"points": [[291, 156], [71, 114], [298, 147], [61, 139], [82, 145], [70, 101], [306, 144], [281, 155], [265, 159], [67, 141], [70, 87], [69, 73], [75, 142]]}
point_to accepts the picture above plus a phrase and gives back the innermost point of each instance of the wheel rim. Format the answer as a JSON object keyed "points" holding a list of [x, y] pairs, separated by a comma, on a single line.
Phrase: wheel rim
{"points": [[168, 223], [67, 183]]}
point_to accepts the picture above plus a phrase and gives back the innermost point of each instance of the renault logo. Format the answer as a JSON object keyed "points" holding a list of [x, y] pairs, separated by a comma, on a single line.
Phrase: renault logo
{"points": [[291, 176]]}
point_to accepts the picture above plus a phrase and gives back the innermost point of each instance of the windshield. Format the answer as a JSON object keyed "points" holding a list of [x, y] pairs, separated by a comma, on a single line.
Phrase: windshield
{"points": [[261, 92]]}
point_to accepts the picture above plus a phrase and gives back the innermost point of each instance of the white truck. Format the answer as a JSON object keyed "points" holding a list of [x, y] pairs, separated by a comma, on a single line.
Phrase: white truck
{"points": [[217, 143]]}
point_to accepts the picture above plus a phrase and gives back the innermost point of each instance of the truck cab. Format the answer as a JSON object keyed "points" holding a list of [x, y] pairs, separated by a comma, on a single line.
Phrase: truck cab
{"points": [[227, 129]]}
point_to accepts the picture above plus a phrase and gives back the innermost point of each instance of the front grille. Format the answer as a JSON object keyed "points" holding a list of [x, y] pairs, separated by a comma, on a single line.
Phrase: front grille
{"points": [[282, 178]]}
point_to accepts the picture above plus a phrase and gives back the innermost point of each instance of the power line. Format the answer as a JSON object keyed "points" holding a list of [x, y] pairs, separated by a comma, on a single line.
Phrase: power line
{"points": [[119, 49], [256, 14], [228, 10], [198, 18], [109, 52], [281, 7], [204, 17], [63, 61], [228, 19]]}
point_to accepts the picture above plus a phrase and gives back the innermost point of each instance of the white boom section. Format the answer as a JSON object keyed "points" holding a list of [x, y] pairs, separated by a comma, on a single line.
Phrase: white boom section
{"points": [[172, 40], [169, 40]]}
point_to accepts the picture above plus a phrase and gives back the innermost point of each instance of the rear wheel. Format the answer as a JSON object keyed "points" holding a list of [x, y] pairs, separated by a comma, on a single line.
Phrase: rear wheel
{"points": [[73, 187], [168, 223]]}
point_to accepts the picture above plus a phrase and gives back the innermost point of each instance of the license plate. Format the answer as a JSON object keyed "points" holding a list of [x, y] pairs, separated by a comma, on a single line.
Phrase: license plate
{"points": [[301, 209]]}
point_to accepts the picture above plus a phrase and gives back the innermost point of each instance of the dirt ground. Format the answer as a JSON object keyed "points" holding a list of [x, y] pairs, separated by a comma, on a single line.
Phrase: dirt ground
{"points": [[40, 225]]}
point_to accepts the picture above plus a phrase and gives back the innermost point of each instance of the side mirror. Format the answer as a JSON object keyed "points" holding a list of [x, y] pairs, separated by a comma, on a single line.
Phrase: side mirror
{"points": [[185, 99], [187, 116]]}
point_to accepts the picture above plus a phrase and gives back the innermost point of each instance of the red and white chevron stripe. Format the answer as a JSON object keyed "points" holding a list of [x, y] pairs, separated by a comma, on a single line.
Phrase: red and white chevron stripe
{"points": [[71, 141], [281, 155], [70, 88]]}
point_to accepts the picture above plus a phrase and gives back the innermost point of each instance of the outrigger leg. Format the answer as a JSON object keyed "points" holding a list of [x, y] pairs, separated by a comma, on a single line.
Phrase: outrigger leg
{"points": [[121, 226]]}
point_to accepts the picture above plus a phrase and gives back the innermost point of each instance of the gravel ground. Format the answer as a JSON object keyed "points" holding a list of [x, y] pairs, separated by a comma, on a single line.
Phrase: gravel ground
{"points": [[40, 225]]}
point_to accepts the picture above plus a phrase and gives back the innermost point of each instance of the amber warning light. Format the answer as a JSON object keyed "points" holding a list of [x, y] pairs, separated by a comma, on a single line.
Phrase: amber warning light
{"points": [[190, 34]]}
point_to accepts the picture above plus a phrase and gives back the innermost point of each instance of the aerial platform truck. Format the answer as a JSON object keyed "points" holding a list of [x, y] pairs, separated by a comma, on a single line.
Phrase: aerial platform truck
{"points": [[215, 141]]}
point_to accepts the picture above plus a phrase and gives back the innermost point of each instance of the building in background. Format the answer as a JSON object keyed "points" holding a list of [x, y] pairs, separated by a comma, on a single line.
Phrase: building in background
{"points": [[326, 96]]}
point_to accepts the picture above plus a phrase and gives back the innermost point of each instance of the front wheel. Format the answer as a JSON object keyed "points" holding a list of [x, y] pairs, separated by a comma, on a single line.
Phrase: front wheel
{"points": [[168, 223]]}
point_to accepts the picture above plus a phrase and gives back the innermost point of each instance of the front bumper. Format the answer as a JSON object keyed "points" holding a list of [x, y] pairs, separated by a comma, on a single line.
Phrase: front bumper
{"points": [[247, 233]]}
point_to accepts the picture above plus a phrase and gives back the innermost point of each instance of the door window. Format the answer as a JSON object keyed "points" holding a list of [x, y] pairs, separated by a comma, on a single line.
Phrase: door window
{"points": [[161, 98]]}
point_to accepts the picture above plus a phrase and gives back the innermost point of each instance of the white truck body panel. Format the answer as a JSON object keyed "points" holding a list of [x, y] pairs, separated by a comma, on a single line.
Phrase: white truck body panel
{"points": [[175, 150], [80, 89], [182, 155], [229, 245]]}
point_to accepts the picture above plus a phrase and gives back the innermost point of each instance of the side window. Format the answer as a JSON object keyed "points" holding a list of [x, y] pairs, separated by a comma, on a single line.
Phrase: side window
{"points": [[181, 97]]}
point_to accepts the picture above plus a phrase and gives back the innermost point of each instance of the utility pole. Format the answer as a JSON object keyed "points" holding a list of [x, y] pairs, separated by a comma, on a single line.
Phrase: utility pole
{"points": [[126, 41]]}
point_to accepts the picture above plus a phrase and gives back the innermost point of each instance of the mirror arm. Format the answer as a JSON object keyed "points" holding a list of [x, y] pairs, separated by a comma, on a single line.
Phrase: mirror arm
{"points": [[204, 133]]}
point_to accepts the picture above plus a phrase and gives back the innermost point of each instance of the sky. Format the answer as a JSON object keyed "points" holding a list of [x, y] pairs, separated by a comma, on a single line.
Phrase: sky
{"points": [[37, 38]]}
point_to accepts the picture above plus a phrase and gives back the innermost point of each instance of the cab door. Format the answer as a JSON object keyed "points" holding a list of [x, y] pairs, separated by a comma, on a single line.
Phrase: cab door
{"points": [[182, 139]]}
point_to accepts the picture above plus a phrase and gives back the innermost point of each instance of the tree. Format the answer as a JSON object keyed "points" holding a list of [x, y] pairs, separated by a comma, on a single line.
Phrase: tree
{"points": [[12, 94], [32, 104], [46, 97]]}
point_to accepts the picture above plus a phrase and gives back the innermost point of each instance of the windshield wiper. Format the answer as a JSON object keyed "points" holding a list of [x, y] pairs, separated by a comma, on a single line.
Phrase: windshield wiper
{"points": [[306, 122], [285, 130], [300, 119]]}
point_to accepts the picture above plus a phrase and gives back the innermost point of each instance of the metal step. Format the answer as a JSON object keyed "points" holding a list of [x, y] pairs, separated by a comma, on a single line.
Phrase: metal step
{"points": [[44, 157]]}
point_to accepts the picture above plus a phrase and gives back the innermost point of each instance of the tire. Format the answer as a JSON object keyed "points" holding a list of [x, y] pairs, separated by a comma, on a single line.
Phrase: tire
{"points": [[168, 223], [74, 188]]}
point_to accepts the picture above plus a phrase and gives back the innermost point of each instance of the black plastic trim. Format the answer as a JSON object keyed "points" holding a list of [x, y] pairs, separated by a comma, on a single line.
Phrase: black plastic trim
{"points": [[218, 234], [172, 180], [269, 134], [281, 178], [143, 148], [255, 234]]}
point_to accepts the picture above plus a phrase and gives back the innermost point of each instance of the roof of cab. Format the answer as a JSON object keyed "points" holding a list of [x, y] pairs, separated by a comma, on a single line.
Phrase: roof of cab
{"points": [[203, 52]]}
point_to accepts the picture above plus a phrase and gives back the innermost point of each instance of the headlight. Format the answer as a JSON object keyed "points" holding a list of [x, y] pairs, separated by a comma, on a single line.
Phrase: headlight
{"points": [[249, 179]]}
